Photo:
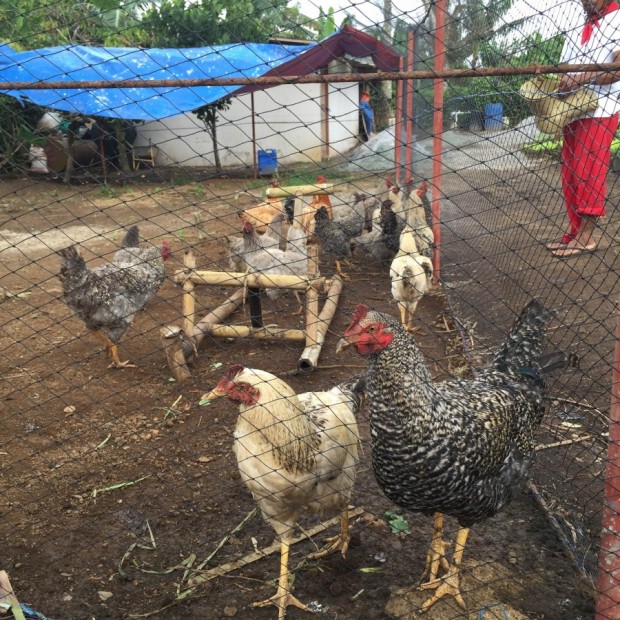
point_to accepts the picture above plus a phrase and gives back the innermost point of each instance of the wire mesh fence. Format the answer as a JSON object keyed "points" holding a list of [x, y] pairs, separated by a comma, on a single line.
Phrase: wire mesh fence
{"points": [[211, 290]]}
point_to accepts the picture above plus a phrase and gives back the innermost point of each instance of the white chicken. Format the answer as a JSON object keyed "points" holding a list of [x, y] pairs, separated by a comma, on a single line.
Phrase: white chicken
{"points": [[411, 275], [416, 218], [296, 454], [271, 238]]}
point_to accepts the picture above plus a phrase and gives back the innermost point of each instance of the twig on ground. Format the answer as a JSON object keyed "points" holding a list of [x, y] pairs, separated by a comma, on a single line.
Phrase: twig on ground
{"points": [[564, 442], [120, 485]]}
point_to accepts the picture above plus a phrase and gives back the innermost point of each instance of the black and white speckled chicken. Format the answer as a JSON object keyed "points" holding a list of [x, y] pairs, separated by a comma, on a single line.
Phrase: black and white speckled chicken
{"points": [[297, 454], [108, 297], [459, 447], [333, 240]]}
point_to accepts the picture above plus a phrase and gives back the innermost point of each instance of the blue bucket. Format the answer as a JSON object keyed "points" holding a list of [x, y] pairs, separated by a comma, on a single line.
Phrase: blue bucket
{"points": [[493, 116], [267, 162]]}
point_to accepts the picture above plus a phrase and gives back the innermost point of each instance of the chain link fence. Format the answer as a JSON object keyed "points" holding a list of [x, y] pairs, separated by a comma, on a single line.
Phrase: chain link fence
{"points": [[191, 192]]}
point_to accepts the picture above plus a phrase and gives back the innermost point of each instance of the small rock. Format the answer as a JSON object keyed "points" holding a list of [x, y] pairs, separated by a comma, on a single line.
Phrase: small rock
{"points": [[230, 611], [204, 459], [104, 596], [67, 597], [336, 588], [512, 557]]}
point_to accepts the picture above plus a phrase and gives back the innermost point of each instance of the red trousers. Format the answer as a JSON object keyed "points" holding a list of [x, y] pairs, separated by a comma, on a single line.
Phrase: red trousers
{"points": [[585, 162]]}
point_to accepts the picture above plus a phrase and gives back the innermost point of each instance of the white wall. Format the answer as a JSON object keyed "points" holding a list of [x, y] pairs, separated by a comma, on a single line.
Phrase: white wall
{"points": [[287, 118]]}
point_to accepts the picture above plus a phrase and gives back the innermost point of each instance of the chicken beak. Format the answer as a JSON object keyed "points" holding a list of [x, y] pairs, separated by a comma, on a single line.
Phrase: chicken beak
{"points": [[343, 343], [216, 392]]}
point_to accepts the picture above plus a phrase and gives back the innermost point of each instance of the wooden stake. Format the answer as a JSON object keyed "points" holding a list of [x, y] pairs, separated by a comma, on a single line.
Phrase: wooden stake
{"points": [[310, 355], [189, 296], [303, 190], [261, 333], [174, 341], [312, 298]]}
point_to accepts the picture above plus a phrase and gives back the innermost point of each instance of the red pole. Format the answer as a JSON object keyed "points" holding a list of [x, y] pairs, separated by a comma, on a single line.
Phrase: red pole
{"points": [[608, 582], [398, 128], [409, 115], [440, 59]]}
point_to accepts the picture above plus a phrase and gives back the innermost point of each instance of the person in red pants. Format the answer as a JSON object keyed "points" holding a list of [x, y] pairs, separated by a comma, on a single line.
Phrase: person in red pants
{"points": [[586, 150]]}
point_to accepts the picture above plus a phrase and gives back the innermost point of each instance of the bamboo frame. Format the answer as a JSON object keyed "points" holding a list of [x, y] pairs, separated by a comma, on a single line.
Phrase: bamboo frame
{"points": [[181, 344], [303, 190]]}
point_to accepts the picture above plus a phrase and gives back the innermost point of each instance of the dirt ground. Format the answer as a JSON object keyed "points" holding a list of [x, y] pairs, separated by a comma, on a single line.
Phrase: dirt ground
{"points": [[117, 487]]}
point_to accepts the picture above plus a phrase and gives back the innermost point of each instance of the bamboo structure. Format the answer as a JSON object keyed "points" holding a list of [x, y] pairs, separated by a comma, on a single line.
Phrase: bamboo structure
{"points": [[300, 190], [181, 343]]}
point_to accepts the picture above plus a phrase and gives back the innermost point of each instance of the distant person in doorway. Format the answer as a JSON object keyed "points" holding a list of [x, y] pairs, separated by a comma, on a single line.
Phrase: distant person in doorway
{"points": [[586, 150], [367, 116]]}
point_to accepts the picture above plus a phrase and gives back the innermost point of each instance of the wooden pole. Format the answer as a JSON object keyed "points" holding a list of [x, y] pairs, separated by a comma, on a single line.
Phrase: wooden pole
{"points": [[254, 161], [409, 108], [256, 313], [303, 190], [252, 280], [189, 295], [310, 355], [312, 296], [608, 583], [398, 128], [181, 347]]}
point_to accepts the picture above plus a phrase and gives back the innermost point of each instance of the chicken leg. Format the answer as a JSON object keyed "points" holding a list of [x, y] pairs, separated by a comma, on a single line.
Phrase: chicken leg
{"points": [[283, 596], [449, 584], [343, 275], [436, 557], [336, 542], [112, 351]]}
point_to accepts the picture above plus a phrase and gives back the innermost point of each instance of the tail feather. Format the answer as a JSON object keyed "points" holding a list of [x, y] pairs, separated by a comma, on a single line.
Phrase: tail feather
{"points": [[356, 386], [132, 238], [523, 346], [72, 267]]}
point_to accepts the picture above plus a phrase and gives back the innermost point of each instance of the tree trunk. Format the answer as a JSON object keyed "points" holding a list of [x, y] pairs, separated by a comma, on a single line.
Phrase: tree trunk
{"points": [[216, 154], [119, 133]]}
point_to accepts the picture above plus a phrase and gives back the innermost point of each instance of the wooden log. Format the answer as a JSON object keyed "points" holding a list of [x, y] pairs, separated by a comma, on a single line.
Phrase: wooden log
{"points": [[312, 297], [173, 339], [302, 190], [310, 355], [189, 295], [181, 347], [261, 333], [253, 280]]}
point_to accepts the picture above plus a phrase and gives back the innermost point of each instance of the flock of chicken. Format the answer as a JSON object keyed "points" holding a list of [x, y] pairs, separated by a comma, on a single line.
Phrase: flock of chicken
{"points": [[391, 226], [459, 448]]}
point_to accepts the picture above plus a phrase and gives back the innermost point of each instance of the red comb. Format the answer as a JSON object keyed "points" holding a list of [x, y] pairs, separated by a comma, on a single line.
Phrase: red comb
{"points": [[321, 179], [359, 313], [388, 181], [423, 188], [234, 370]]}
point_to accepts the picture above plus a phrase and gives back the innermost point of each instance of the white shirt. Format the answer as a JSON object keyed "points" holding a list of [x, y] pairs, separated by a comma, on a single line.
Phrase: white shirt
{"points": [[604, 41]]}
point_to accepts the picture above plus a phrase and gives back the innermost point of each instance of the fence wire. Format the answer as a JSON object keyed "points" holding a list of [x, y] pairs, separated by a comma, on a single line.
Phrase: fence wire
{"points": [[182, 270]]}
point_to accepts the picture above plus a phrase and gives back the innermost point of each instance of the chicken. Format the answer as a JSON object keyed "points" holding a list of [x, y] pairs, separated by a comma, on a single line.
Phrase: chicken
{"points": [[322, 199], [310, 209], [271, 238], [391, 226], [263, 213], [108, 297], [271, 259], [333, 240], [460, 447], [296, 454], [417, 219], [411, 275]]}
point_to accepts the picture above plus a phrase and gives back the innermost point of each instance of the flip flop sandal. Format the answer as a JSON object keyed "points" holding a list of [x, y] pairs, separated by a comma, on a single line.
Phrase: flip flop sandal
{"points": [[570, 252]]}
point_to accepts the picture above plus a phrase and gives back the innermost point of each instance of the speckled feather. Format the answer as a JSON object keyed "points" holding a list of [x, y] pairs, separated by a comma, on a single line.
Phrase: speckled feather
{"points": [[456, 447]]}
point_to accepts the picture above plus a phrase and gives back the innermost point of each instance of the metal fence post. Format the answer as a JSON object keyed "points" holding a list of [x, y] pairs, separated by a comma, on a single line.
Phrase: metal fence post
{"points": [[608, 583]]}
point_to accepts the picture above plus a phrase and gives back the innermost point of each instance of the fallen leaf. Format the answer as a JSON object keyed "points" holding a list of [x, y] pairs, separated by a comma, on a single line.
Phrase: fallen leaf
{"points": [[69, 409], [104, 596]]}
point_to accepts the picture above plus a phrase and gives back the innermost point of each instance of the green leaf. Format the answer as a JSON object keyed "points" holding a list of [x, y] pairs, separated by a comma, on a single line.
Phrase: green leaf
{"points": [[398, 524], [204, 402]]}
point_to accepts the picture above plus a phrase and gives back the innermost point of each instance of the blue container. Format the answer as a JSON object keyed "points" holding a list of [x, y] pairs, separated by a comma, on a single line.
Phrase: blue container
{"points": [[267, 162], [493, 116]]}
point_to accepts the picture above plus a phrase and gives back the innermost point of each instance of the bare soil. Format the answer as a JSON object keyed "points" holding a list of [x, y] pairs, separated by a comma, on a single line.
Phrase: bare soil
{"points": [[116, 484]]}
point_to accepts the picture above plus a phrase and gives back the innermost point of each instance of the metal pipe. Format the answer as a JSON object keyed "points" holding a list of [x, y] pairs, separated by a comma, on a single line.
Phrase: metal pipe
{"points": [[409, 109], [325, 120], [398, 129], [608, 582], [254, 160], [440, 58]]}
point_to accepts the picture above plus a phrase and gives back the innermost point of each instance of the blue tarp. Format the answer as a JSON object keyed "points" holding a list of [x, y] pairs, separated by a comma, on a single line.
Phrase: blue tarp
{"points": [[78, 63]]}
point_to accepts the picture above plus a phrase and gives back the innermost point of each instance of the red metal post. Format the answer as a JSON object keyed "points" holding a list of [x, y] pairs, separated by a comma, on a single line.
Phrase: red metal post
{"points": [[398, 128], [608, 582], [409, 114], [440, 60]]}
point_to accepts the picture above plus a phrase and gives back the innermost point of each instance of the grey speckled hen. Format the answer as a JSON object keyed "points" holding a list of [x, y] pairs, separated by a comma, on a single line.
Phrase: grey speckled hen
{"points": [[459, 447]]}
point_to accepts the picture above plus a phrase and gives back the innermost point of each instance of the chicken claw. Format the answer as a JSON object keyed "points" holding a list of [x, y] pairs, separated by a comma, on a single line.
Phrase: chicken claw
{"points": [[282, 600], [445, 586], [335, 543]]}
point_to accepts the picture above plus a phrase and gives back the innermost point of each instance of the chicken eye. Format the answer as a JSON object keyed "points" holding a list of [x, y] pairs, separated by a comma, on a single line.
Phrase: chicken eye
{"points": [[371, 329]]}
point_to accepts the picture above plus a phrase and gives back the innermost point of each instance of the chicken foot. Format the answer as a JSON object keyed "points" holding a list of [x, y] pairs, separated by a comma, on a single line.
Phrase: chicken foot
{"points": [[436, 557], [449, 584], [339, 542], [343, 275], [112, 351], [283, 596]]}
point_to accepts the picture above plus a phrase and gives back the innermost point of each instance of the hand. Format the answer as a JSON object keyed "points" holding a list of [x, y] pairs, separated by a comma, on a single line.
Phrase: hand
{"points": [[570, 81]]}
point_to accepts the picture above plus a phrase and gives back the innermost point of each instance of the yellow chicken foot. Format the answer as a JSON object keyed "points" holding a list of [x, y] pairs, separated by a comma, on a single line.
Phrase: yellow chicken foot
{"points": [[112, 351], [283, 597], [335, 543], [449, 584], [436, 556], [344, 276]]}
